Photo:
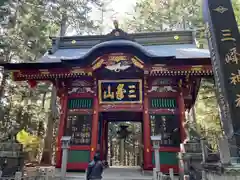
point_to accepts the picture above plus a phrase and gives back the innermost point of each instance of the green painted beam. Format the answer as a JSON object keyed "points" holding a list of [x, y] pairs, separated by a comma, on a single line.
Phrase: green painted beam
{"points": [[169, 158], [78, 156]]}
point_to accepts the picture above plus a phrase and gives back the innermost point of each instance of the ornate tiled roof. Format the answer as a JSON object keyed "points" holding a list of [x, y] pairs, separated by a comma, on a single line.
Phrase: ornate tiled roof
{"points": [[175, 47], [180, 51]]}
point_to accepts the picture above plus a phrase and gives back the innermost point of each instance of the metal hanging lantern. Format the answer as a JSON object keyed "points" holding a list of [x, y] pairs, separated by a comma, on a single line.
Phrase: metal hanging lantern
{"points": [[123, 132]]}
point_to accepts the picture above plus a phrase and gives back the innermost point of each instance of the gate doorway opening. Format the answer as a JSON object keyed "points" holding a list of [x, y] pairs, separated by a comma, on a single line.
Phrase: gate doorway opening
{"points": [[122, 141]]}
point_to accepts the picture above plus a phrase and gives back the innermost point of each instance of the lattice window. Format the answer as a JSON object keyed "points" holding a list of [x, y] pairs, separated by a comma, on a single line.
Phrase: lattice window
{"points": [[80, 103], [168, 126], [79, 128]]}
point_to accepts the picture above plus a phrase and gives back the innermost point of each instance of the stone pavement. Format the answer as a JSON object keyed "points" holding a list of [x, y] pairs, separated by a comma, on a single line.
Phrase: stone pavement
{"points": [[115, 173]]}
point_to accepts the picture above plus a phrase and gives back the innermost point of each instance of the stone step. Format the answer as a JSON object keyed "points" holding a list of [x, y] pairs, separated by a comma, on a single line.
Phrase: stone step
{"points": [[112, 177], [118, 178], [117, 173]]}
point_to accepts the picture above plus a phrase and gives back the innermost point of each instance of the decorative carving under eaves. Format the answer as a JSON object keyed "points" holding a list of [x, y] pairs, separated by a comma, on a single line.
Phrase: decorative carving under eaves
{"points": [[162, 89], [163, 81], [159, 69], [81, 83], [77, 90], [118, 67]]}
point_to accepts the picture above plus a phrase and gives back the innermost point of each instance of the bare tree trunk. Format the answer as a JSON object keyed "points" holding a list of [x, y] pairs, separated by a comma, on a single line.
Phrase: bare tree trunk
{"points": [[48, 141], [47, 151], [111, 152], [2, 90], [3, 83], [63, 27], [44, 100], [134, 143], [129, 161]]}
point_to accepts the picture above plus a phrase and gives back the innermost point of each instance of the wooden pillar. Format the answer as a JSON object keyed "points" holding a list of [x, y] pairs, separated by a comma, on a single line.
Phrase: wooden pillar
{"points": [[146, 129], [122, 152], [181, 112], [94, 138], [193, 114], [63, 116], [104, 139]]}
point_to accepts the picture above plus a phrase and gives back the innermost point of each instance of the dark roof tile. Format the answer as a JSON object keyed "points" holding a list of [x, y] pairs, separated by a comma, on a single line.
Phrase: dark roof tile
{"points": [[181, 51]]}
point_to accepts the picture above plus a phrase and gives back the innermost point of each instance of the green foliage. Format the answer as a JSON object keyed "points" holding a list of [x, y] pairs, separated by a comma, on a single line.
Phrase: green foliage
{"points": [[207, 112], [184, 14], [23, 106], [25, 30], [236, 8], [166, 15], [171, 15], [2, 2]]}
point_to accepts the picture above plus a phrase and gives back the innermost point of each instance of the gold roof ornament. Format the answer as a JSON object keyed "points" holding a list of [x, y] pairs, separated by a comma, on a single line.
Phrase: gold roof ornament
{"points": [[73, 42], [115, 23], [176, 37]]}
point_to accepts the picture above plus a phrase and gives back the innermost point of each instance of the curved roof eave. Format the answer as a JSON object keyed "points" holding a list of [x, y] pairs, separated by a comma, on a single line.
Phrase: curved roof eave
{"points": [[115, 46]]}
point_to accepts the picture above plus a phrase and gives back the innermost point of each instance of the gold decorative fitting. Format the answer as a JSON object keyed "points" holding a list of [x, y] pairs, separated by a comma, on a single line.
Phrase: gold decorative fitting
{"points": [[77, 71], [196, 68], [220, 9], [180, 83], [98, 64], [89, 73], [137, 63], [115, 23], [237, 100], [44, 71], [176, 37]]}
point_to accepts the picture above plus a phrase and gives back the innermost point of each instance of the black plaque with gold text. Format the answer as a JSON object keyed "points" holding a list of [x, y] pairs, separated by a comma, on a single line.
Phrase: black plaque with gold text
{"points": [[223, 37], [120, 91]]}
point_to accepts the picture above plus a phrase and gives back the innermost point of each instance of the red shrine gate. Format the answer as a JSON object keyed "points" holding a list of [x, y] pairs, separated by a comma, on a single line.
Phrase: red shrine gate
{"points": [[121, 73], [158, 100]]}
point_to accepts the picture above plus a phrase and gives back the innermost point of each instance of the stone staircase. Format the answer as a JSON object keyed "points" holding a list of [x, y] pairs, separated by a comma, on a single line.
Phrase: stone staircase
{"points": [[116, 173]]}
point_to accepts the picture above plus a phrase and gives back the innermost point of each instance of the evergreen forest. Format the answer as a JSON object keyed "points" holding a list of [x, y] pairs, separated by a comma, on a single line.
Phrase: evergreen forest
{"points": [[25, 28]]}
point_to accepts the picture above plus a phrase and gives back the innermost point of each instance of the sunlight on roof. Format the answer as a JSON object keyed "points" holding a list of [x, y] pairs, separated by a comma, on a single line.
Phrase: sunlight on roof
{"points": [[194, 50]]}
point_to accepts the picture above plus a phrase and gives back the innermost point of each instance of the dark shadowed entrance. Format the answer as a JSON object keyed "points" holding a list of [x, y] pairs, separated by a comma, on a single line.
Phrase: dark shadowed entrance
{"points": [[121, 141]]}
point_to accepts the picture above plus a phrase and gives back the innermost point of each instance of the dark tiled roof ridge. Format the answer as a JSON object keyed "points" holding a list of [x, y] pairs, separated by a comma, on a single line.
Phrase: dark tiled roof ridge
{"points": [[146, 34]]}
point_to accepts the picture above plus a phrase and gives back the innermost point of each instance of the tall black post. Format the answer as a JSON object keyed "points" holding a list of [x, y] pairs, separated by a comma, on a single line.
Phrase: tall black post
{"points": [[224, 47]]}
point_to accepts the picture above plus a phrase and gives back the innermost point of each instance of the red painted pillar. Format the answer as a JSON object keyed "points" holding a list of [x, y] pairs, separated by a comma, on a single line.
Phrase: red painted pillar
{"points": [[103, 138], [62, 123], [146, 130], [106, 141], [181, 110], [94, 138]]}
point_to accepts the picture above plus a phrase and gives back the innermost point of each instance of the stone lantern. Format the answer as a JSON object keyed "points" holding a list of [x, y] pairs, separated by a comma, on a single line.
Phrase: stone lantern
{"points": [[156, 145], [65, 141]]}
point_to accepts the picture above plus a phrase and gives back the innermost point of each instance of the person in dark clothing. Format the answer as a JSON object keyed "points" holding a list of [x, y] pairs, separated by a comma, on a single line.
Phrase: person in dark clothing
{"points": [[95, 168]]}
